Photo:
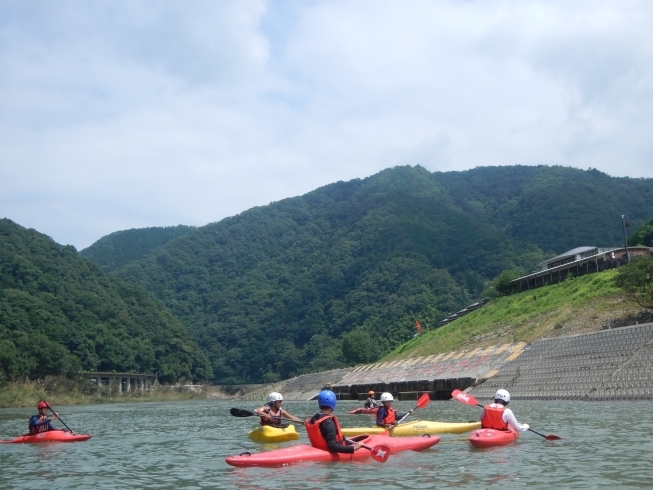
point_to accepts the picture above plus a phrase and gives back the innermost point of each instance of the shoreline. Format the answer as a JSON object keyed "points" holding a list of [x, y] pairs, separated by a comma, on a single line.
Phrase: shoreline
{"points": [[62, 392]]}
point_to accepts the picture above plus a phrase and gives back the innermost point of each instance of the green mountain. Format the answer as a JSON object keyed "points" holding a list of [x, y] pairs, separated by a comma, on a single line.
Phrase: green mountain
{"points": [[555, 208], [337, 276], [59, 314], [120, 248]]}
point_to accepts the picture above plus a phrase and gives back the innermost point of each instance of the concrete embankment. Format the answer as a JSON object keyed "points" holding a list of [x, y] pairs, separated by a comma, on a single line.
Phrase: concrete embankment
{"points": [[614, 364], [611, 364]]}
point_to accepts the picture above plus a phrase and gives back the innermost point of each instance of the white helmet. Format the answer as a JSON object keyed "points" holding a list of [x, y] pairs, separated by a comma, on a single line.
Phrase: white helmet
{"points": [[502, 395], [275, 397], [386, 397]]}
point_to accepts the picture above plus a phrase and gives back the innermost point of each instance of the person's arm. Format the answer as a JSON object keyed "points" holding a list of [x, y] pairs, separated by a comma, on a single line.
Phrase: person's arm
{"points": [[262, 410], [328, 430], [37, 422], [286, 415], [380, 415], [510, 419]]}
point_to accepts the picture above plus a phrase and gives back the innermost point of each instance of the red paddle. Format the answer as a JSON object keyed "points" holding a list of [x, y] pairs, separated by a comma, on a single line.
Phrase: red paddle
{"points": [[421, 403], [380, 453], [470, 400]]}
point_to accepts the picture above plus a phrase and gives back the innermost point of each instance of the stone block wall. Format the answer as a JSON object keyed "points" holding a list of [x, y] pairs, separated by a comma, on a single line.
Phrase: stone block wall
{"points": [[615, 364]]}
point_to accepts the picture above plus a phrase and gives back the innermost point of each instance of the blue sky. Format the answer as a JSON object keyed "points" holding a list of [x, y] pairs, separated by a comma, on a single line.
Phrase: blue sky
{"points": [[115, 115]]}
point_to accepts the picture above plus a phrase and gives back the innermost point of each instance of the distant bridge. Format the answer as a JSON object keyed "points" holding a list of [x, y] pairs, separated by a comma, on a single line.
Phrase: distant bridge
{"points": [[123, 382]]}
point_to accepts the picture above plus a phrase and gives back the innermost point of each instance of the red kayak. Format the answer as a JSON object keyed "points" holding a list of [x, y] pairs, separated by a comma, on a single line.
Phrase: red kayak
{"points": [[361, 410], [304, 452], [49, 436], [493, 437]]}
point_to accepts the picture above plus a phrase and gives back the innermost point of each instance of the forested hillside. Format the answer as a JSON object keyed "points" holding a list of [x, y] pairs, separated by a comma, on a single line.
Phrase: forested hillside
{"points": [[120, 248], [643, 235], [59, 314], [555, 208], [338, 275]]}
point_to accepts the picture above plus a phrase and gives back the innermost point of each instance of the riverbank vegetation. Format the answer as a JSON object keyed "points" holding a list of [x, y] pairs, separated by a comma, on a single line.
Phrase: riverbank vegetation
{"points": [[60, 390]]}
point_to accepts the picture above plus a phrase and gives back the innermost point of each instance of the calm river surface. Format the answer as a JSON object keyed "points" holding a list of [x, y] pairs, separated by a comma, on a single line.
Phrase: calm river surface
{"points": [[183, 445]]}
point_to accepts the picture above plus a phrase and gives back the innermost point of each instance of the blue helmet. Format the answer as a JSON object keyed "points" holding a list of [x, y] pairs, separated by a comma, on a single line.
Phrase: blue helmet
{"points": [[327, 398]]}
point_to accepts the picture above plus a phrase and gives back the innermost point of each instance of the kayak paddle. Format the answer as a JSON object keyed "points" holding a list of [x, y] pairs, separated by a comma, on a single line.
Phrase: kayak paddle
{"points": [[64, 423], [421, 403], [239, 412], [380, 453], [470, 400]]}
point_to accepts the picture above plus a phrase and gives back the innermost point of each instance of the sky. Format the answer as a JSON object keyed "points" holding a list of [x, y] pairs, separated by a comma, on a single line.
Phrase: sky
{"points": [[128, 114]]}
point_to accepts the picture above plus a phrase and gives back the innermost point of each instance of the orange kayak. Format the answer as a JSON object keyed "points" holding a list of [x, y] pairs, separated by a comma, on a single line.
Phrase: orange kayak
{"points": [[48, 436]]}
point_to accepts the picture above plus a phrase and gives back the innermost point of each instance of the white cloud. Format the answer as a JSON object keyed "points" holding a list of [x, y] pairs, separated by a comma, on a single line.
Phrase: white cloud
{"points": [[128, 114]]}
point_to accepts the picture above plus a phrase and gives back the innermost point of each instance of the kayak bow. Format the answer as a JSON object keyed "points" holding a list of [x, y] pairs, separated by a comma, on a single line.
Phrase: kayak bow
{"points": [[269, 434]]}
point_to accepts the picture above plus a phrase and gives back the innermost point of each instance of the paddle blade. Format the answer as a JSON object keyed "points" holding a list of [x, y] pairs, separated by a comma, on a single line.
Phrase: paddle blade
{"points": [[381, 453], [550, 437], [239, 412], [423, 400], [464, 397]]}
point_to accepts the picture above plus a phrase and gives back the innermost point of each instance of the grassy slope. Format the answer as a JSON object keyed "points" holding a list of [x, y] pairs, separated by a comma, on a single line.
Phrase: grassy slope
{"points": [[577, 305]]}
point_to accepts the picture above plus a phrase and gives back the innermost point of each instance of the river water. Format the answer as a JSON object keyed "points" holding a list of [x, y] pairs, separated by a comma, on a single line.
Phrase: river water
{"points": [[183, 445]]}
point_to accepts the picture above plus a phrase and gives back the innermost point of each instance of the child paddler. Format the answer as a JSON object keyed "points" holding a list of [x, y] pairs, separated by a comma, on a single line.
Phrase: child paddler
{"points": [[273, 413], [323, 429], [370, 402], [387, 416], [497, 416], [41, 422]]}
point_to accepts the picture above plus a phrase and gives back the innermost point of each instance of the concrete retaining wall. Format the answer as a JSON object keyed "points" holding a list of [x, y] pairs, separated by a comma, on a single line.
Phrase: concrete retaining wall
{"points": [[612, 364], [437, 375]]}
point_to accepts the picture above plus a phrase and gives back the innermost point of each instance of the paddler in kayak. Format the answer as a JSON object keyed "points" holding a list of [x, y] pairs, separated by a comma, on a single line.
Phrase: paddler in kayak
{"points": [[387, 416], [323, 429], [497, 416], [272, 413], [370, 402], [41, 422]]}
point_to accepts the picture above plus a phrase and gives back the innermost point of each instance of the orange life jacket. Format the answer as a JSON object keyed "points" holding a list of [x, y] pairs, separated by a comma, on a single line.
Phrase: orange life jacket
{"points": [[315, 435], [493, 418], [275, 418], [390, 416]]}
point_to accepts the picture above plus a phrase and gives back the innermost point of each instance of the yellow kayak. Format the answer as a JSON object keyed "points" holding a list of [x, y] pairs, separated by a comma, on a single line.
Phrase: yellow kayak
{"points": [[416, 428], [267, 433]]}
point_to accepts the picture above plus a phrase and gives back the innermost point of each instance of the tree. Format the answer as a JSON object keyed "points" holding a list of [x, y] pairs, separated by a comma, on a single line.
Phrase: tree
{"points": [[636, 278], [358, 347], [501, 284]]}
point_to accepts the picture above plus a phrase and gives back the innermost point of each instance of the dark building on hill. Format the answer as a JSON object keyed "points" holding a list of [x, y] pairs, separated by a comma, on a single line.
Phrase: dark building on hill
{"points": [[577, 262]]}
